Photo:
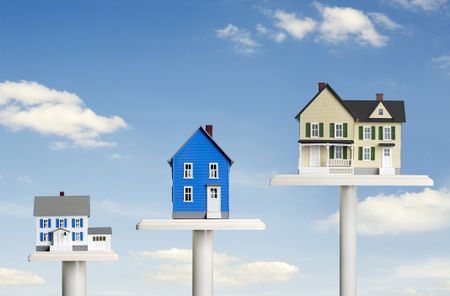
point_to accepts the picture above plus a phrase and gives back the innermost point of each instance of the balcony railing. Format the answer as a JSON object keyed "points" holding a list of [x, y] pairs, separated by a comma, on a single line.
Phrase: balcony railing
{"points": [[339, 162]]}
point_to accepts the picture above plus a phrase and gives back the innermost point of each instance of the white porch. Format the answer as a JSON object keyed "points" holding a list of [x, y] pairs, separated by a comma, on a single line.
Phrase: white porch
{"points": [[320, 161]]}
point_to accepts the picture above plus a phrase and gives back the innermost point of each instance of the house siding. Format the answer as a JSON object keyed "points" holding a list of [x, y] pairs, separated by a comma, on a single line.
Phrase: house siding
{"points": [[200, 152], [69, 227]]}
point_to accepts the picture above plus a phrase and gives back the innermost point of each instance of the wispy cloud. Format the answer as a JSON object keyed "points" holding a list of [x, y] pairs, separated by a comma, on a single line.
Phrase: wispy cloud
{"points": [[240, 38], [409, 212], [24, 179], [30, 105], [430, 268], [424, 5], [13, 277], [12, 209], [296, 26], [343, 24], [443, 63], [276, 36], [384, 21], [229, 271], [118, 156]]}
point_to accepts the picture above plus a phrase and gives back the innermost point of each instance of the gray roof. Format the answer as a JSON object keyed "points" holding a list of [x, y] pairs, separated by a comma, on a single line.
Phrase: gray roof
{"points": [[62, 206], [99, 230]]}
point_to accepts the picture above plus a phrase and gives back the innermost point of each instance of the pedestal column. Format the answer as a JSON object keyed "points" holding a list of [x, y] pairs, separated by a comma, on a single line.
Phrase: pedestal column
{"points": [[202, 263], [348, 204], [74, 278]]}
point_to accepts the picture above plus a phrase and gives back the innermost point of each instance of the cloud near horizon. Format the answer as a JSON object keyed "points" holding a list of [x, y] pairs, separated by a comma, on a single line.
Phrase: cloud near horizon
{"points": [[229, 271], [409, 212], [33, 106], [13, 277]]}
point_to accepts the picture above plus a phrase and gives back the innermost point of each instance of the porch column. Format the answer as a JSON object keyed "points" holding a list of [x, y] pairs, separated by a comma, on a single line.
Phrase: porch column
{"points": [[351, 155], [299, 157], [328, 155]]}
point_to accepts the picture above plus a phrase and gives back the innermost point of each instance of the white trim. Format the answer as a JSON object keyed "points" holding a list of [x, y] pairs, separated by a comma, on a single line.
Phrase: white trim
{"points": [[318, 130], [342, 130], [364, 132], [185, 170], [184, 194], [342, 152], [385, 128], [211, 170], [370, 154]]}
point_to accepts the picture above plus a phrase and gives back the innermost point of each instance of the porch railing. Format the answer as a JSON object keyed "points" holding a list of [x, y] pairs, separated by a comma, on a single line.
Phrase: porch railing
{"points": [[339, 162]]}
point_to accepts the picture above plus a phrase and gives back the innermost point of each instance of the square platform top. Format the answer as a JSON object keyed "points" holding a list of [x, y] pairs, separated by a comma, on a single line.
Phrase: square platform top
{"points": [[74, 256], [351, 180], [201, 224]]}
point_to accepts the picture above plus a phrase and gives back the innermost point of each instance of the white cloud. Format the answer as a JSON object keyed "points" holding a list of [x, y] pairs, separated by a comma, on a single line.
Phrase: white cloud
{"points": [[12, 277], [426, 5], [12, 209], [408, 212], [430, 268], [24, 179], [117, 156], [297, 27], [30, 105], [276, 36], [241, 39], [443, 63], [341, 24], [228, 271], [384, 21]]}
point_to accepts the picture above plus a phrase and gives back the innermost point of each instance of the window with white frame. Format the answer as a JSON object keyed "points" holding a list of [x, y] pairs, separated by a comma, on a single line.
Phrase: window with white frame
{"points": [[77, 223], [45, 223], [61, 223], [380, 111], [338, 152], [187, 170], [387, 133], [367, 133], [338, 130], [213, 170], [187, 194], [45, 236], [366, 153], [314, 130]]}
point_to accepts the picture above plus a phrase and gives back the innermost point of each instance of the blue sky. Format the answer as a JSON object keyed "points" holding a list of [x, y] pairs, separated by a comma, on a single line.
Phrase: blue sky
{"points": [[96, 96]]}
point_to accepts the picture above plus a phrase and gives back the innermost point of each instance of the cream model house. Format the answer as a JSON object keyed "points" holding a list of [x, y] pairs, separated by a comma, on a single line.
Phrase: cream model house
{"points": [[346, 137]]}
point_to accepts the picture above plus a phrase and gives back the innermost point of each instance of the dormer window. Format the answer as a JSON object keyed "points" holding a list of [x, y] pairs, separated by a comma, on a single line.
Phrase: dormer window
{"points": [[380, 111], [188, 170], [213, 170]]}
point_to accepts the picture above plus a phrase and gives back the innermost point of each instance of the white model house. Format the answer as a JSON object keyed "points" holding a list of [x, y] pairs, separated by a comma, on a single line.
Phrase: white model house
{"points": [[62, 224]]}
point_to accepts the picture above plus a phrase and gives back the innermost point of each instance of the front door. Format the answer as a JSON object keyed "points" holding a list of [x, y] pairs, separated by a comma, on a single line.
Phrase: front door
{"points": [[314, 156], [213, 202], [386, 161]]}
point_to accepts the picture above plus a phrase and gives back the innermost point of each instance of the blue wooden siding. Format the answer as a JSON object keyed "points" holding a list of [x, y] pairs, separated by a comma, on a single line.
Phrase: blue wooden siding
{"points": [[200, 151]]}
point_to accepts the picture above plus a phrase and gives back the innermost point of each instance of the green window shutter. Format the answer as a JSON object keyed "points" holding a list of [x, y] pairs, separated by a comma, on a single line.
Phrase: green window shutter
{"points": [[372, 153], [331, 152], [345, 130], [360, 153], [321, 129], [393, 132], [360, 132], [331, 130], [344, 152], [373, 133], [380, 133], [308, 130]]}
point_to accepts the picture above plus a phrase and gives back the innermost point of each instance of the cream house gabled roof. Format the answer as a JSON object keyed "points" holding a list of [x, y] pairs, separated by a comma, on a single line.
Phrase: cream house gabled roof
{"points": [[361, 110]]}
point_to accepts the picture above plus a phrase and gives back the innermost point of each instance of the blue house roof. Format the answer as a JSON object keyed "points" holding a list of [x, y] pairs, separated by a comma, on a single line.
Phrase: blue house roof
{"points": [[202, 130]]}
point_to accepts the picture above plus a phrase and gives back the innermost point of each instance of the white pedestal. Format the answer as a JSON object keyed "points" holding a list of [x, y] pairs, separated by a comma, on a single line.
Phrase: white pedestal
{"points": [[74, 267], [202, 244], [348, 211]]}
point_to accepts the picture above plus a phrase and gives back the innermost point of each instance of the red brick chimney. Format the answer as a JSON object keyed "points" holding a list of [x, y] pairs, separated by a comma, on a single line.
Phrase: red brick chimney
{"points": [[379, 97], [209, 130], [322, 85], [61, 193]]}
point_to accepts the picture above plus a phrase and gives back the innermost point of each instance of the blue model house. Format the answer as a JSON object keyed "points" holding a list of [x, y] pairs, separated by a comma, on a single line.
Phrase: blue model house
{"points": [[200, 175]]}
